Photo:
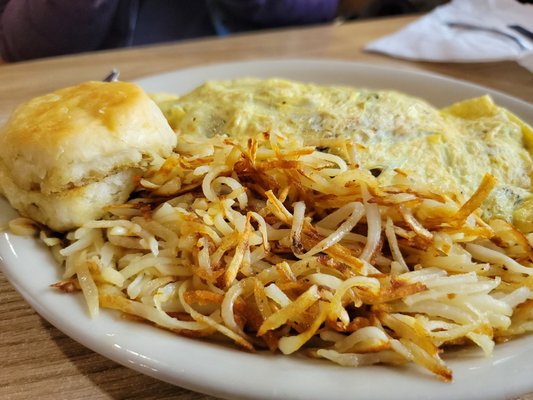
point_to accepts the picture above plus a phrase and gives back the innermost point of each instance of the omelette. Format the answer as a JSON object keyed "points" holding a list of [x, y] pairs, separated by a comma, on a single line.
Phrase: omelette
{"points": [[449, 149]]}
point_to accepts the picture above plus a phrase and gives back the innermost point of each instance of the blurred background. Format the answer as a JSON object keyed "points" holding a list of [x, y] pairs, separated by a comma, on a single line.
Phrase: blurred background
{"points": [[31, 29], [358, 9]]}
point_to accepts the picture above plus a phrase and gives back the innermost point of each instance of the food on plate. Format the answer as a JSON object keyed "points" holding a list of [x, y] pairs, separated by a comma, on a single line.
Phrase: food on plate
{"points": [[450, 149], [283, 221], [67, 155]]}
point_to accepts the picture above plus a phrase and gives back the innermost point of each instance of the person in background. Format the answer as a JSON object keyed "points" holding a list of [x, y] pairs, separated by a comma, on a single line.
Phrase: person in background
{"points": [[40, 28]]}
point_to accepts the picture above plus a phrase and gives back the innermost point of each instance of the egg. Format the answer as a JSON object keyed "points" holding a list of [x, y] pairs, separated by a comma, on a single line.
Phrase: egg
{"points": [[449, 149]]}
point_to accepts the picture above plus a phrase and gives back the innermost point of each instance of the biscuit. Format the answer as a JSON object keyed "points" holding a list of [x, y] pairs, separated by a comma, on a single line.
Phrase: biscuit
{"points": [[67, 154]]}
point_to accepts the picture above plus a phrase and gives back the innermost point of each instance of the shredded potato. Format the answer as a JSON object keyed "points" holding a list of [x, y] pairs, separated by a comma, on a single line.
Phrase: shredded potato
{"points": [[275, 245]]}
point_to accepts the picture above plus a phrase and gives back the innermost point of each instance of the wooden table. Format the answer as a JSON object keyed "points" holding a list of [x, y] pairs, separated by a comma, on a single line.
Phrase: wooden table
{"points": [[37, 360]]}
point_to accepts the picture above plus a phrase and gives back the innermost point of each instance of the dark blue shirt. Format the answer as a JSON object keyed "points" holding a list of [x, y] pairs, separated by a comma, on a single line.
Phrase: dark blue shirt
{"points": [[41, 28]]}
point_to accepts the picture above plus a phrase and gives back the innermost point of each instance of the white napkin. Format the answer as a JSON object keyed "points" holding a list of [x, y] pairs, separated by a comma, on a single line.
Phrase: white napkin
{"points": [[431, 38]]}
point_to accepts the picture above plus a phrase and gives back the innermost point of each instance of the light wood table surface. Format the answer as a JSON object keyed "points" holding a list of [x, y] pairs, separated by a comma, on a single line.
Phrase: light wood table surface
{"points": [[37, 360]]}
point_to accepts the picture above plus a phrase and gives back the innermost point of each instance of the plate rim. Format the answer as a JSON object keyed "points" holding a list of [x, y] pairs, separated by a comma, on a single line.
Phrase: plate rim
{"points": [[9, 255]]}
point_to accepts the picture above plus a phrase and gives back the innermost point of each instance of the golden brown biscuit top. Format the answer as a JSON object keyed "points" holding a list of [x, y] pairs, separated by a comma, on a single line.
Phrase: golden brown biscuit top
{"points": [[81, 133], [54, 116]]}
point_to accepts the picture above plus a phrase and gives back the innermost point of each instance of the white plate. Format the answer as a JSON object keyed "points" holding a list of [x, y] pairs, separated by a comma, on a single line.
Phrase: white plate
{"points": [[226, 372]]}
